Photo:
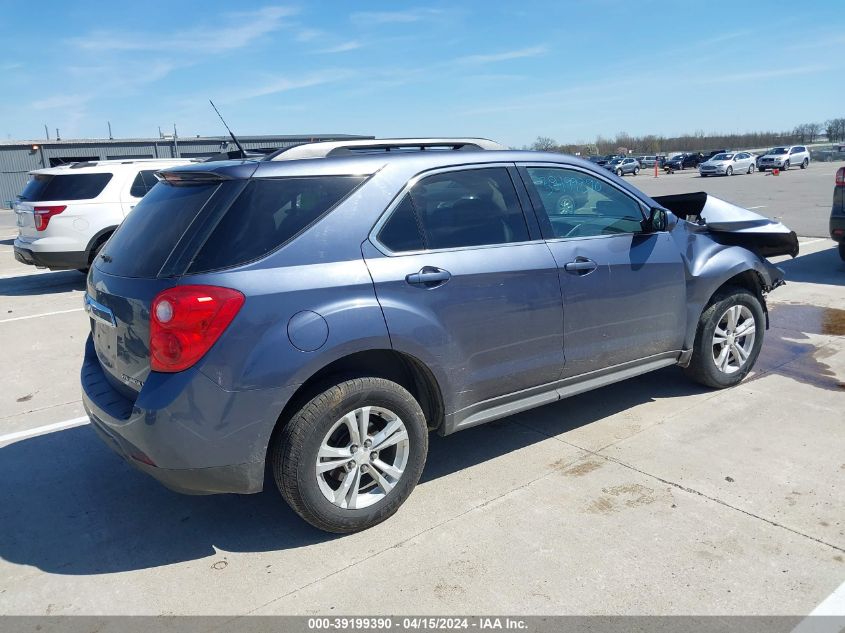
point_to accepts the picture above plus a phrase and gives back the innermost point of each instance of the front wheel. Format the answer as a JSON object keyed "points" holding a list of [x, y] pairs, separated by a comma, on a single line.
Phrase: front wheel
{"points": [[352, 455], [619, 173], [728, 338], [729, 171], [785, 166]]}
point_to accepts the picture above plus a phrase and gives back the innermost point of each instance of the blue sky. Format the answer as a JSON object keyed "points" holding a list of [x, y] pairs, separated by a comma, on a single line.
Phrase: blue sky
{"points": [[506, 70]]}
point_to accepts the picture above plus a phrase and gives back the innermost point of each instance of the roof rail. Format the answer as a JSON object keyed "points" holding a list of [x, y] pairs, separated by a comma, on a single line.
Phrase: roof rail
{"points": [[326, 149]]}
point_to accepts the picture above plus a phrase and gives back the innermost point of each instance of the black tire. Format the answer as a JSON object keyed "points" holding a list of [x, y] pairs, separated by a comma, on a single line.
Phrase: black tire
{"points": [[842, 250], [295, 447], [805, 163], [702, 367], [729, 171], [750, 169], [94, 252], [619, 173], [785, 166], [704, 175], [636, 170]]}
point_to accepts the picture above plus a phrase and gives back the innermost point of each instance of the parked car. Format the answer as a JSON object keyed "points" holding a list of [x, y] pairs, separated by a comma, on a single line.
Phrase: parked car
{"points": [[785, 157], [65, 214], [728, 164], [622, 166], [598, 160], [322, 309], [758, 158], [682, 161], [713, 152], [647, 161], [837, 212]]}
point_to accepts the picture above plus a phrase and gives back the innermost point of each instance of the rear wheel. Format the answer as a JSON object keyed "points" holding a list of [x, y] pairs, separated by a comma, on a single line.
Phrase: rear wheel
{"points": [[805, 163], [352, 455], [94, 252], [728, 339], [636, 170], [750, 169]]}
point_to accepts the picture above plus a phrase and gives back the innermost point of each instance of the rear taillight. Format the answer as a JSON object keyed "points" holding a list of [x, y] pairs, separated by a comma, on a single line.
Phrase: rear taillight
{"points": [[840, 177], [43, 215], [185, 321]]}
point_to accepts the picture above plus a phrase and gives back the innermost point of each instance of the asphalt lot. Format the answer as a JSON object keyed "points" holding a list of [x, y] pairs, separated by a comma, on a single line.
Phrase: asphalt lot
{"points": [[653, 496], [800, 198]]}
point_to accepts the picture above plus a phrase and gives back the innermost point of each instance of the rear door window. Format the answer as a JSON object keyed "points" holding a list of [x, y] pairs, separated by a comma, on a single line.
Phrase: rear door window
{"points": [[458, 209], [268, 214], [50, 187]]}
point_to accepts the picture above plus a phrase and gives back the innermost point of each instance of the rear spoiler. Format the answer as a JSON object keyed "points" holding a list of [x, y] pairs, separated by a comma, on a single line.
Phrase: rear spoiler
{"points": [[731, 224]]}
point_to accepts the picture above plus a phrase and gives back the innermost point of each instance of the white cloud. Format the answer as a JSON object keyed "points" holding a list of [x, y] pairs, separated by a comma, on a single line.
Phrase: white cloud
{"points": [[307, 35], [759, 75], [533, 51], [61, 101], [283, 84], [341, 48], [239, 30], [374, 18]]}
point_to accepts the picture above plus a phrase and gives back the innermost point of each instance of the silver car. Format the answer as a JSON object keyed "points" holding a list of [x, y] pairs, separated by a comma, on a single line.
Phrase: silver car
{"points": [[728, 164]]}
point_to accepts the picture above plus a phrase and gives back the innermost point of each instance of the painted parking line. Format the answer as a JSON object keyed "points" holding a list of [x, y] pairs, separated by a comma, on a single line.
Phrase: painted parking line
{"points": [[43, 430], [43, 314], [762, 206], [30, 273], [828, 616], [821, 239]]}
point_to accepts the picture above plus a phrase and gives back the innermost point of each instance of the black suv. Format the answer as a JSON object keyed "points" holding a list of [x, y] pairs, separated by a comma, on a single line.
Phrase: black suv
{"points": [[682, 161], [837, 213]]}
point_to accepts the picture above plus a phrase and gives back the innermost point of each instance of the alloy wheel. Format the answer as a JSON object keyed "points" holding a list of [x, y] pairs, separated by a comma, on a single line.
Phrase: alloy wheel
{"points": [[733, 339], [362, 457]]}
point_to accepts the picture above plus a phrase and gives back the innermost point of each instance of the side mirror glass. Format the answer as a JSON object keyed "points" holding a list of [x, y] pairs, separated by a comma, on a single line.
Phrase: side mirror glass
{"points": [[658, 220]]}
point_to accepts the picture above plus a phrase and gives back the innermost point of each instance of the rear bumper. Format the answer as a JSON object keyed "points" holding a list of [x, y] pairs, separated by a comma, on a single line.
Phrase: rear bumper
{"points": [[183, 429], [53, 261]]}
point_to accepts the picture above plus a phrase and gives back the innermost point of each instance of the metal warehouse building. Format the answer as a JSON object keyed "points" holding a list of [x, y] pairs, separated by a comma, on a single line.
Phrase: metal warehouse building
{"points": [[18, 158]]}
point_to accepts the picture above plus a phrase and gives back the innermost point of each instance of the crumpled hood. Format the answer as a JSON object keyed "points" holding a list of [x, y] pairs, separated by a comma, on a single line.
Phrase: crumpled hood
{"points": [[732, 224]]}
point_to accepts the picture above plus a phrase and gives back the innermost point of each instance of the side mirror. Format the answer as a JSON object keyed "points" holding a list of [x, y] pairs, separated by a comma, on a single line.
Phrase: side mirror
{"points": [[658, 220]]}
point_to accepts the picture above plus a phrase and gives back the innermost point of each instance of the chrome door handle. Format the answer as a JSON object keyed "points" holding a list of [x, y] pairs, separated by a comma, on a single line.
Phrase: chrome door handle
{"points": [[429, 277], [581, 266]]}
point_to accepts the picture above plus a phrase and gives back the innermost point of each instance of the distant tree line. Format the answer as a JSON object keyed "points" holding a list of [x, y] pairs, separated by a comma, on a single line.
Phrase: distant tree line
{"points": [[699, 141]]}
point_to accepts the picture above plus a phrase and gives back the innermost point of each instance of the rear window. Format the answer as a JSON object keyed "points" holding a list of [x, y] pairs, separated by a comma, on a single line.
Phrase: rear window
{"points": [[49, 187], [144, 181], [268, 214], [145, 239]]}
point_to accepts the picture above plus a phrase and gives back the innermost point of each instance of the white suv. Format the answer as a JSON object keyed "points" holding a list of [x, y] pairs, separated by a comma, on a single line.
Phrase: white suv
{"points": [[785, 157], [65, 214]]}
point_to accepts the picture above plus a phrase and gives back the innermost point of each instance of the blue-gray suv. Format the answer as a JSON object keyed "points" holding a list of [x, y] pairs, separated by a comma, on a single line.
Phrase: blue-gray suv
{"points": [[320, 310]]}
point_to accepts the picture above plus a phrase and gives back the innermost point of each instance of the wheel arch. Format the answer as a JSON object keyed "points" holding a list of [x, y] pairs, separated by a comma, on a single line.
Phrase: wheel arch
{"points": [[399, 367], [99, 238], [743, 272]]}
